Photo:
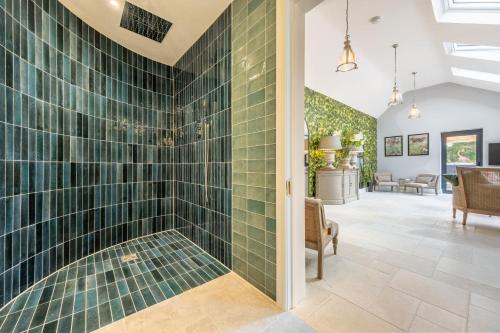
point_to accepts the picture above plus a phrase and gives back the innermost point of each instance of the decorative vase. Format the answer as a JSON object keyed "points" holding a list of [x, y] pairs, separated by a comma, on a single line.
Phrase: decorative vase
{"points": [[346, 163]]}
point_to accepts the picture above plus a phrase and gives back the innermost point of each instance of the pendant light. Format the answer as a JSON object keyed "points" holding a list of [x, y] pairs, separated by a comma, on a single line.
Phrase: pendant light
{"points": [[396, 97], [414, 112], [348, 58]]}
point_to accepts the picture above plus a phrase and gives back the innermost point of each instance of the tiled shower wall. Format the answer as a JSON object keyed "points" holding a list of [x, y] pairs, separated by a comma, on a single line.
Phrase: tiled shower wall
{"points": [[203, 94], [254, 142], [85, 161]]}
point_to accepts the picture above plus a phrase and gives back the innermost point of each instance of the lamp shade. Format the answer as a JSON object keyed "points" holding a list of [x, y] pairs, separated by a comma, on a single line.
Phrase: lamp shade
{"points": [[329, 143], [348, 58], [414, 112], [358, 137], [396, 97], [355, 149]]}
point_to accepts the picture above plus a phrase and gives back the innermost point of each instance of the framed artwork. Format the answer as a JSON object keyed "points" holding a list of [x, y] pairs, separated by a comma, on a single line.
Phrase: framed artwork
{"points": [[393, 146], [418, 144]]}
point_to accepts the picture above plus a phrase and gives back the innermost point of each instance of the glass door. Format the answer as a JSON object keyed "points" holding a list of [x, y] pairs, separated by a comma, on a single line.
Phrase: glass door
{"points": [[462, 148]]}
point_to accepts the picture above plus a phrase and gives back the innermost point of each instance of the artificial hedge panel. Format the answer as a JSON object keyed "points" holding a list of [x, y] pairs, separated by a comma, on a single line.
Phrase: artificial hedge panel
{"points": [[324, 116]]}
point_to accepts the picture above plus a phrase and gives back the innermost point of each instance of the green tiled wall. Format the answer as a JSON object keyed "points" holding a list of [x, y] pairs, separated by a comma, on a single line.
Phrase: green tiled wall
{"points": [[85, 160], [254, 142]]}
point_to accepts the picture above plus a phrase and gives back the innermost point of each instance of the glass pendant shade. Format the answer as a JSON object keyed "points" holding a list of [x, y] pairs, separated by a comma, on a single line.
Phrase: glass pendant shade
{"points": [[414, 112], [348, 58], [396, 97]]}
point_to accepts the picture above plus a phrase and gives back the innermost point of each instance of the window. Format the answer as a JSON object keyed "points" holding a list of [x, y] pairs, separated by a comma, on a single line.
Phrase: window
{"points": [[476, 75], [472, 51], [467, 11]]}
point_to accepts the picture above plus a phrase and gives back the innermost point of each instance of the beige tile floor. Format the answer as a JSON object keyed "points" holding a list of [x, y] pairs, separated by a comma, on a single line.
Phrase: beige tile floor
{"points": [[226, 304], [405, 265]]}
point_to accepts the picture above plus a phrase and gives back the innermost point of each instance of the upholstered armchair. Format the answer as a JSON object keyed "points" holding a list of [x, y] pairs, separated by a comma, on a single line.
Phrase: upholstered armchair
{"points": [[385, 179], [424, 181], [319, 230]]}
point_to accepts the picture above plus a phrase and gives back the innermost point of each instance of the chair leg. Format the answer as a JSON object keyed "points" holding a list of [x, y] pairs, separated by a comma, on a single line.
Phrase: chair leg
{"points": [[320, 264], [436, 190], [464, 220], [454, 213], [335, 241]]}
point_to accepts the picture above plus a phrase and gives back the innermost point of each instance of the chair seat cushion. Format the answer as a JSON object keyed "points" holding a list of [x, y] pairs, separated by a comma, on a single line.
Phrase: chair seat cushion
{"points": [[416, 185], [333, 226], [388, 183]]}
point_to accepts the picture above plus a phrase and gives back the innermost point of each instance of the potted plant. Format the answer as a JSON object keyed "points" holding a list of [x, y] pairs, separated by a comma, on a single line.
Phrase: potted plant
{"points": [[368, 176], [458, 195]]}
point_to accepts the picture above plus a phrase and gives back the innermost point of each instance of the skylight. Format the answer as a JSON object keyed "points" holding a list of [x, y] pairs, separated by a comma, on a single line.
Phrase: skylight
{"points": [[476, 75], [474, 4], [472, 51], [467, 11]]}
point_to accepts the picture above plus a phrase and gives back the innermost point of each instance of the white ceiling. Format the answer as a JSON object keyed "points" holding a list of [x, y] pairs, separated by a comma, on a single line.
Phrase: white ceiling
{"points": [[190, 18], [412, 24]]}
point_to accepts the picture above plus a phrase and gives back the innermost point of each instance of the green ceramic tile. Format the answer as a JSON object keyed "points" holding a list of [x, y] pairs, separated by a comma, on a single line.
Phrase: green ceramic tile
{"points": [[254, 36]]}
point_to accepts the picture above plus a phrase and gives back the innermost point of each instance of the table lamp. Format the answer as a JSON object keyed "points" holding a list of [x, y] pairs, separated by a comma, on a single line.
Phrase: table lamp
{"points": [[329, 144]]}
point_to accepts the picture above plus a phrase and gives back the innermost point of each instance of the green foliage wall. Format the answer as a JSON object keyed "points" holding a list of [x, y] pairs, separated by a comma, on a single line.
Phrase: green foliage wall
{"points": [[325, 116]]}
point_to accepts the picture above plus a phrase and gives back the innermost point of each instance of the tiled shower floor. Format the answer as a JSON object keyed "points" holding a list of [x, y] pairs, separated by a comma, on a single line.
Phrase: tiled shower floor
{"points": [[100, 289]]}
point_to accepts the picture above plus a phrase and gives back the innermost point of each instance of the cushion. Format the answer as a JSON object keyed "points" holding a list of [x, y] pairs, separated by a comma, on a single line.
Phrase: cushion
{"points": [[388, 183], [424, 179], [415, 184], [384, 178]]}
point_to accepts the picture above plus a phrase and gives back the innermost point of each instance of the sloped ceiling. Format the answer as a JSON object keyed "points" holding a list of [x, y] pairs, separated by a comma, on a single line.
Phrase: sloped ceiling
{"points": [[190, 18], [412, 24]]}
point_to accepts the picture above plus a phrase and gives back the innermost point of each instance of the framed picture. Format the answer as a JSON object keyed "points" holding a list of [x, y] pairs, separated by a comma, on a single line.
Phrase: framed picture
{"points": [[393, 146], [418, 144]]}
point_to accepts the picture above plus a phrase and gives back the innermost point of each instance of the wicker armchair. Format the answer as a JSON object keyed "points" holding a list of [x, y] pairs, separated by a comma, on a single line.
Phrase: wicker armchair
{"points": [[385, 179], [319, 230], [478, 191]]}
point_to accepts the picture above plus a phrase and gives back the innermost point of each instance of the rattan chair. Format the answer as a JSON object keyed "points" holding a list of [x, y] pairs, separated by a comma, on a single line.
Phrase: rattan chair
{"points": [[478, 191], [319, 230]]}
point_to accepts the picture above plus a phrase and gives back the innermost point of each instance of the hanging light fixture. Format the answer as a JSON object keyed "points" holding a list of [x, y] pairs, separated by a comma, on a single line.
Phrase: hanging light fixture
{"points": [[348, 58], [414, 112], [396, 97]]}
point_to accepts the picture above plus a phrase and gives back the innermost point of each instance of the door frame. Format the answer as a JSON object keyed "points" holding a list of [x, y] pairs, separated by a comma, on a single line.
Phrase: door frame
{"points": [[479, 150]]}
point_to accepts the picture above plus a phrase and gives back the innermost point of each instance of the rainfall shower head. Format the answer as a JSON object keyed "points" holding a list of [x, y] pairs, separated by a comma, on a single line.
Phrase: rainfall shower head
{"points": [[144, 23]]}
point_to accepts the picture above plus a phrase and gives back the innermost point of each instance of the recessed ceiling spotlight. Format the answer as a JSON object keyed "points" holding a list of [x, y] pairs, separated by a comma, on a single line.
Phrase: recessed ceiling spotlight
{"points": [[114, 3], [375, 19]]}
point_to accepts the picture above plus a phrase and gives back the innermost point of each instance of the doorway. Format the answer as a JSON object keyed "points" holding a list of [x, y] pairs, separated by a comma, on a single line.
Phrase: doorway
{"points": [[460, 148]]}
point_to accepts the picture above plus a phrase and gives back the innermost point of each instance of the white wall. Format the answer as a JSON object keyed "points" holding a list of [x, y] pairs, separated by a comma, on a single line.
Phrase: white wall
{"points": [[444, 108]]}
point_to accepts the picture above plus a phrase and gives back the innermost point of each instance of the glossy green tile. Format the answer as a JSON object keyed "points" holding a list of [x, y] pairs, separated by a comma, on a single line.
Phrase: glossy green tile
{"points": [[254, 23]]}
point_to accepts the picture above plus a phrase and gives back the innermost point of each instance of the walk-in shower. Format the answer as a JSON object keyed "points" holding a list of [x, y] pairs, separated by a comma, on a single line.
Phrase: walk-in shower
{"points": [[123, 180], [107, 206]]}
